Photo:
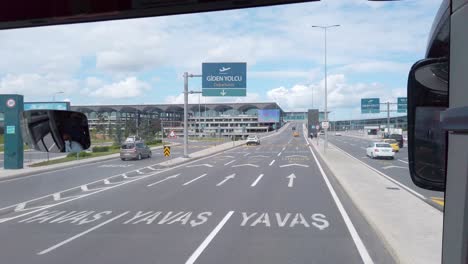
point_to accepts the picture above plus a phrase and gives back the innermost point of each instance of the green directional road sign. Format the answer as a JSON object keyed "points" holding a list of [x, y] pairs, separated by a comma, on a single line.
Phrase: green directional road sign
{"points": [[224, 79], [402, 104], [370, 105], [12, 105]]}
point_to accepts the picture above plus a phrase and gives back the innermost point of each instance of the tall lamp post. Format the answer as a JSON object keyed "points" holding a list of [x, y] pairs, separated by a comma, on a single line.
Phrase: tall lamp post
{"points": [[325, 145]]}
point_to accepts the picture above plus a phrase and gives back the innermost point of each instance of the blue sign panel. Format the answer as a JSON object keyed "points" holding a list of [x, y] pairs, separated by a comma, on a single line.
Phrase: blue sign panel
{"points": [[268, 115], [224, 79], [10, 130], [402, 104], [370, 105], [46, 106]]}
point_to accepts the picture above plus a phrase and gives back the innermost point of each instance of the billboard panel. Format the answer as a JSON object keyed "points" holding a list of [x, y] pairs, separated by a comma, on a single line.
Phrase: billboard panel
{"points": [[224, 79], [268, 115], [46, 106]]}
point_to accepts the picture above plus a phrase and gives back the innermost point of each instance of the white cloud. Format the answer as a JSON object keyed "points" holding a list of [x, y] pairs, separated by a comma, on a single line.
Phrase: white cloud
{"points": [[130, 87], [374, 67], [341, 94], [37, 86], [281, 74]]}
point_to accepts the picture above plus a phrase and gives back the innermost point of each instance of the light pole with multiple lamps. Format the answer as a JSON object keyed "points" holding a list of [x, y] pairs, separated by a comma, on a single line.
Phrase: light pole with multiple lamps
{"points": [[325, 145]]}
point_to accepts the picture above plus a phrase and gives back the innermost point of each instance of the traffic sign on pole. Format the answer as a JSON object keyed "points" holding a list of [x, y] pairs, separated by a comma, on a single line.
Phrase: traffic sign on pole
{"points": [[224, 79], [325, 125], [370, 105], [167, 151], [402, 104]]}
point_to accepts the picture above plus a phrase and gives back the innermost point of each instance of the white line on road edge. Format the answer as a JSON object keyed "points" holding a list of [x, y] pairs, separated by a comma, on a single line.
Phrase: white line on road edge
{"points": [[403, 161], [81, 234], [386, 176], [271, 163], [200, 165], [257, 180], [352, 230], [208, 239], [279, 154], [225, 164], [201, 176]]}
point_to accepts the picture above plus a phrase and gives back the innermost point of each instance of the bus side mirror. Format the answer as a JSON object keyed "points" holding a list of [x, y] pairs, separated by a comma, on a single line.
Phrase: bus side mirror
{"points": [[55, 131], [427, 140]]}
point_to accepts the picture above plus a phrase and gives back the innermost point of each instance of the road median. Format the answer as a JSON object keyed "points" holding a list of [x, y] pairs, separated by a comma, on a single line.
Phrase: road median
{"points": [[411, 228]]}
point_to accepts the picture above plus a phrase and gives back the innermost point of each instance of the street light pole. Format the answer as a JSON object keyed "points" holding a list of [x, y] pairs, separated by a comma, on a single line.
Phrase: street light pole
{"points": [[325, 145]]}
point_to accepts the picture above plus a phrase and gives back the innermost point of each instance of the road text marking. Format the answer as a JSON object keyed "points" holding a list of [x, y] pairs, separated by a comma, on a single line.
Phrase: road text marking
{"points": [[81, 234]]}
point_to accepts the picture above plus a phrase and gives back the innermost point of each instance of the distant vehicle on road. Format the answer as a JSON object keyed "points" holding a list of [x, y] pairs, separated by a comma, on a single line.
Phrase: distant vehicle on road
{"points": [[393, 143], [293, 128], [380, 149], [321, 133], [397, 137], [295, 134], [134, 150], [337, 134], [253, 140]]}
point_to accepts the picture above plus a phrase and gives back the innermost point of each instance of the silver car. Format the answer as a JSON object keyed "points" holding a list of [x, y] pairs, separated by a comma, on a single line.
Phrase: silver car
{"points": [[134, 150]]}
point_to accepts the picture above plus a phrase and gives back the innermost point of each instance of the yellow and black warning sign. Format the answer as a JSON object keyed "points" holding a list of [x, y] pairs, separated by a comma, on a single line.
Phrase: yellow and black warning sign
{"points": [[167, 151]]}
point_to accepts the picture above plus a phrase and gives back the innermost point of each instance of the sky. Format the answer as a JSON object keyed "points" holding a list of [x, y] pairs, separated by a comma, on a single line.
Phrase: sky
{"points": [[142, 61]]}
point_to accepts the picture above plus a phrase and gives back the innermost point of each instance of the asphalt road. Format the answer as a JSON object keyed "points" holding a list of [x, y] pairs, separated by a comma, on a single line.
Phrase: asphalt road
{"points": [[256, 204], [396, 169]]}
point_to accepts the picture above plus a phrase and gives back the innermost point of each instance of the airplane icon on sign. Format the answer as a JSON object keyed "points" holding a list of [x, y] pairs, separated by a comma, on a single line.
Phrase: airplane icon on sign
{"points": [[223, 69]]}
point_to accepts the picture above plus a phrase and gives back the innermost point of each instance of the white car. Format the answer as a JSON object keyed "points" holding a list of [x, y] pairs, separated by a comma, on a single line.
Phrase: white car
{"points": [[337, 134], [132, 139], [380, 149], [253, 140]]}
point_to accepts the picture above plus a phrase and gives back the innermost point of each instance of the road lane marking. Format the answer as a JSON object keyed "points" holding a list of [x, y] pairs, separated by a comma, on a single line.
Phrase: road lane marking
{"points": [[200, 165], [291, 178], [271, 163], [352, 230], [257, 180], [294, 164], [279, 154], [226, 179], [283, 149], [246, 154], [81, 234], [300, 156], [199, 177], [393, 166], [167, 178], [403, 161], [225, 164], [259, 156], [208, 239], [245, 165]]}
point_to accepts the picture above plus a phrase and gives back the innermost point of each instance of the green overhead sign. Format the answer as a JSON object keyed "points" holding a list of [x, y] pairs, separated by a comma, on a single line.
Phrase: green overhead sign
{"points": [[402, 104]]}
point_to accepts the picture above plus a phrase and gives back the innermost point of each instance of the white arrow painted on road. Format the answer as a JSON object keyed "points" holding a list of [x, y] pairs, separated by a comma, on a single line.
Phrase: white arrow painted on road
{"points": [[294, 164], [291, 178], [243, 165], [393, 166], [226, 179], [200, 165], [170, 177], [223, 93]]}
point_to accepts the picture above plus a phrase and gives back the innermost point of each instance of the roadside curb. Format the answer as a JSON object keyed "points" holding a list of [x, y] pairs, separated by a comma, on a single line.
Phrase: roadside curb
{"points": [[70, 164]]}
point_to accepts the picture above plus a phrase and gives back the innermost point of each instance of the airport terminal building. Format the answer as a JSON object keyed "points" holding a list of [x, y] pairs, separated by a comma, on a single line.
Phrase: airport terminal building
{"points": [[221, 119]]}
